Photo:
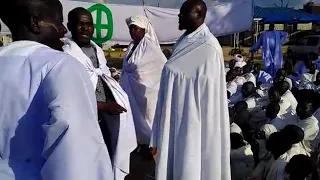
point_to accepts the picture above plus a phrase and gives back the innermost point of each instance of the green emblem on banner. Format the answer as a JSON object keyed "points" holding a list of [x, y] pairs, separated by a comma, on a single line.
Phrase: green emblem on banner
{"points": [[101, 10]]}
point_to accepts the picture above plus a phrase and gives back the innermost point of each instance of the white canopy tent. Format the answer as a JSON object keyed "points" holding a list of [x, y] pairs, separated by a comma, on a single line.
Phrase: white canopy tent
{"points": [[223, 18]]}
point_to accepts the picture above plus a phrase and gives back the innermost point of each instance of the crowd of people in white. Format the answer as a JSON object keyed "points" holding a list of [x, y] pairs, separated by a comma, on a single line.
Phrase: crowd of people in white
{"points": [[274, 121]]}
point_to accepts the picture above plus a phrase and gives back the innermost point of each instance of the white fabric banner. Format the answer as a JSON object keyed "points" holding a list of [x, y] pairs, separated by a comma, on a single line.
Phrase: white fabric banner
{"points": [[110, 27]]}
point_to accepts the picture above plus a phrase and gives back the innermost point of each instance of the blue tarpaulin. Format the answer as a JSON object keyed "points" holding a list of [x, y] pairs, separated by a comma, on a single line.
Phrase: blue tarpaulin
{"points": [[283, 15]]}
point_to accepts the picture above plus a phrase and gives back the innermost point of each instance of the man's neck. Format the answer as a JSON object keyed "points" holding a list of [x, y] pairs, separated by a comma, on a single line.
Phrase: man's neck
{"points": [[192, 29]]}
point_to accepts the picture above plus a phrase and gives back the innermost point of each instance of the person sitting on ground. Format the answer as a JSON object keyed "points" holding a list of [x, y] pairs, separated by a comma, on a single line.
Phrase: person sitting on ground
{"points": [[261, 76], [316, 84], [239, 61], [248, 93], [232, 86], [264, 156], [248, 75], [300, 167], [281, 75], [272, 112], [231, 65], [242, 117], [286, 94], [302, 66], [241, 157], [278, 145], [234, 128], [309, 124], [240, 80], [309, 77], [286, 112], [295, 136]]}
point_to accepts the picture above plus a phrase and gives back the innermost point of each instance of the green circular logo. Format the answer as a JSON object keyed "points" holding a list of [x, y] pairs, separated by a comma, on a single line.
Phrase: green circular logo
{"points": [[101, 10]]}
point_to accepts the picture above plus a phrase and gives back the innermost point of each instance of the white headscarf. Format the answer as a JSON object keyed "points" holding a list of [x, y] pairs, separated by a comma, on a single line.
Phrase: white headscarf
{"points": [[144, 23], [239, 61]]}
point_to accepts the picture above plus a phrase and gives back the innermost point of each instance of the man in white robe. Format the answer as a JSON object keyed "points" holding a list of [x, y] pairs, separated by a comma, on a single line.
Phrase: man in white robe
{"points": [[286, 94], [141, 74], [117, 126], [309, 124], [271, 42], [49, 125], [191, 127]]}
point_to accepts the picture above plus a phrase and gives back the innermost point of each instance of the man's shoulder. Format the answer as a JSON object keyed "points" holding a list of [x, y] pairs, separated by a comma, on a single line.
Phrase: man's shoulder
{"points": [[53, 58]]}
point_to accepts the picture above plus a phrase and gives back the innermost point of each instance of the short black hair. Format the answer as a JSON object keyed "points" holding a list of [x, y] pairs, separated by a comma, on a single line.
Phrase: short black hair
{"points": [[74, 13], [273, 107], [198, 3], [42, 9]]}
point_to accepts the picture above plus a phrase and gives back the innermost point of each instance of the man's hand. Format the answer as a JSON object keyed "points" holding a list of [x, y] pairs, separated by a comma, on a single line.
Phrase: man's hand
{"points": [[112, 108]]}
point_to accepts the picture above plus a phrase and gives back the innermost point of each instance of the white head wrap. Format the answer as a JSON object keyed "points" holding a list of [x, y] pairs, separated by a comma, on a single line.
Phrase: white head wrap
{"points": [[268, 129], [144, 23], [239, 61]]}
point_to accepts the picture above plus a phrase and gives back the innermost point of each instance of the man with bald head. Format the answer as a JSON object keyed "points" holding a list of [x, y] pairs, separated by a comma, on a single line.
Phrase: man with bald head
{"points": [[48, 119], [190, 135]]}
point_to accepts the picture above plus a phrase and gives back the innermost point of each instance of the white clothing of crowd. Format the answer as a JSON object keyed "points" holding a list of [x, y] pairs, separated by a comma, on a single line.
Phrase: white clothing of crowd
{"points": [[48, 112], [272, 107]]}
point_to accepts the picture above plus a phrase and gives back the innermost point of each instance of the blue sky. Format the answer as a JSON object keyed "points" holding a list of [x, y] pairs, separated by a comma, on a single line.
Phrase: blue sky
{"points": [[177, 3]]}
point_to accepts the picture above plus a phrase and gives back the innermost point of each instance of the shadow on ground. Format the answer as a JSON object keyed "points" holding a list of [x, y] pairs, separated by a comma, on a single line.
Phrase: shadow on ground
{"points": [[142, 166]]}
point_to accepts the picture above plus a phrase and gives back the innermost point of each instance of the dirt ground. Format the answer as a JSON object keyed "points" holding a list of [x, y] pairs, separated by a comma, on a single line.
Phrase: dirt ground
{"points": [[115, 58]]}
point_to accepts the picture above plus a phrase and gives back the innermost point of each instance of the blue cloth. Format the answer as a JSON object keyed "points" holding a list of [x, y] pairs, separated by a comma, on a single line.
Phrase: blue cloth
{"points": [[271, 42], [301, 69], [264, 77]]}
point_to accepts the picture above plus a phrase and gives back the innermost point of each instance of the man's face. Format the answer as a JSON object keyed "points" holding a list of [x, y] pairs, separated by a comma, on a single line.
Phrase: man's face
{"points": [[304, 110], [136, 32], [187, 16], [52, 28], [82, 29], [274, 97]]}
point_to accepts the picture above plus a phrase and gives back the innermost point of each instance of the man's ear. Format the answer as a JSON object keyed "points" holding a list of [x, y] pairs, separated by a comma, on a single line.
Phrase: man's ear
{"points": [[34, 24]]}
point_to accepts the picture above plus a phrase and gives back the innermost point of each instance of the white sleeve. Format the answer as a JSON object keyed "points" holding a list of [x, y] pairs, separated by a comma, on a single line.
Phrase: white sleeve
{"points": [[74, 147]]}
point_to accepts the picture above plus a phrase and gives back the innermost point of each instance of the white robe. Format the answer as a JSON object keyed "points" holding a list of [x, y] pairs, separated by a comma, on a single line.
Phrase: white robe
{"points": [[288, 96], [307, 79], [140, 78], [310, 126], [232, 87], [287, 113], [277, 168], [289, 81], [279, 123], [234, 128], [242, 162], [122, 130], [251, 78], [49, 125], [191, 143]]}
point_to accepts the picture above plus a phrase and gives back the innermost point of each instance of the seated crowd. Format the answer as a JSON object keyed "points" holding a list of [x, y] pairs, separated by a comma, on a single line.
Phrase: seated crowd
{"points": [[274, 122]]}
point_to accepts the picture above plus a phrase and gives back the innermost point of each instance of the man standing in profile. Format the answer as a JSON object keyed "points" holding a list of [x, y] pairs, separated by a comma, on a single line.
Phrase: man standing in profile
{"points": [[49, 128], [191, 131], [271, 42]]}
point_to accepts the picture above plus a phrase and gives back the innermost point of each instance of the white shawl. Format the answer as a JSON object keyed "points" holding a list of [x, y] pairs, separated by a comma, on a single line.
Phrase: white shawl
{"points": [[140, 78], [310, 126], [190, 144], [123, 131], [242, 162]]}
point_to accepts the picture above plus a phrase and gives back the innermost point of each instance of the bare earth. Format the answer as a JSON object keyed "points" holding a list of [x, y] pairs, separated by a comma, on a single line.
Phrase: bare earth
{"points": [[115, 58]]}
